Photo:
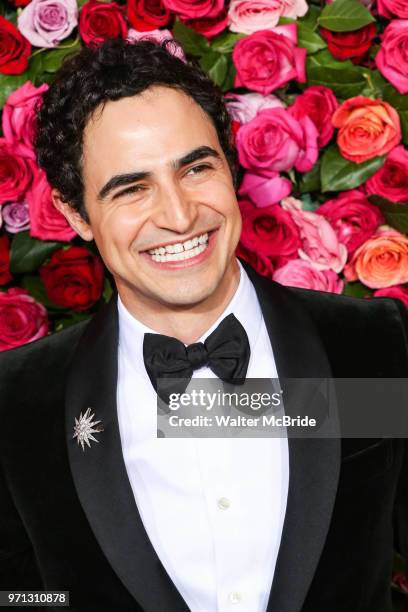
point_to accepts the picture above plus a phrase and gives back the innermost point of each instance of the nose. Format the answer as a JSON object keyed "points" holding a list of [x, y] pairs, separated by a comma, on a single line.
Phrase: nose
{"points": [[176, 210]]}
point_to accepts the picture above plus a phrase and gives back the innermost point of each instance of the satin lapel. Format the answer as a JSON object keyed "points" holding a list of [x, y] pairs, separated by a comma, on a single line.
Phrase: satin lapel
{"points": [[313, 463], [99, 472]]}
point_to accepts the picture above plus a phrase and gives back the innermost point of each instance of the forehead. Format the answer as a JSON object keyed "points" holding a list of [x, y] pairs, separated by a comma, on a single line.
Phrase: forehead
{"points": [[153, 127]]}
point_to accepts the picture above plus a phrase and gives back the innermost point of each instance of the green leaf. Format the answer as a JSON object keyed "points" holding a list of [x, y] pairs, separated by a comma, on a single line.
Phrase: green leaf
{"points": [[216, 66], [8, 13], [308, 203], [27, 253], [400, 103], [310, 19], [310, 181], [73, 319], [339, 174], [309, 40], [345, 79], [345, 16], [192, 42], [230, 77], [52, 60], [225, 42], [357, 289], [8, 84], [107, 290], [396, 215]]}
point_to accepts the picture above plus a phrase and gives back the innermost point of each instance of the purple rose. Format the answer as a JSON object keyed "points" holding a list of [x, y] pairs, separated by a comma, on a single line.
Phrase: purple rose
{"points": [[46, 22], [16, 217]]}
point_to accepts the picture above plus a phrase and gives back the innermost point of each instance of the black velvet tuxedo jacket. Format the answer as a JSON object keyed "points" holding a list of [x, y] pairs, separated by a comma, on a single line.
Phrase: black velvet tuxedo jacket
{"points": [[68, 518]]}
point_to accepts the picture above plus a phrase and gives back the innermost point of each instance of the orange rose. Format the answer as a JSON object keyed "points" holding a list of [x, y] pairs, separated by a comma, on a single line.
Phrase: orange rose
{"points": [[367, 128], [382, 261]]}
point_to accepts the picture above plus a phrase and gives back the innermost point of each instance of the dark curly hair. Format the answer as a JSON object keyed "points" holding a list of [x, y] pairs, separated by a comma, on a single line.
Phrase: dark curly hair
{"points": [[111, 71]]}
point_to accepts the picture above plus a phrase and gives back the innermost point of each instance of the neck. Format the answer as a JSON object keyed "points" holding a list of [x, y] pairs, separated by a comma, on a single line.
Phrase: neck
{"points": [[186, 323]]}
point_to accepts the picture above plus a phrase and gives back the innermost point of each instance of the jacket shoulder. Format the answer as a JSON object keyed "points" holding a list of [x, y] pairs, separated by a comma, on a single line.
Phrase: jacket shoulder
{"points": [[43, 358], [360, 331]]}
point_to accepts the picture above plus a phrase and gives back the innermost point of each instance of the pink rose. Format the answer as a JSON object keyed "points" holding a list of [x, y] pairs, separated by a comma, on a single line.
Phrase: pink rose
{"points": [[320, 244], [158, 36], [270, 232], [46, 22], [46, 222], [269, 59], [191, 9], [209, 26], [20, 116], [353, 218], [397, 292], [276, 141], [249, 16], [392, 58], [22, 319], [16, 217], [16, 172], [382, 261], [244, 108], [391, 180], [301, 273], [393, 8], [318, 103], [265, 190]]}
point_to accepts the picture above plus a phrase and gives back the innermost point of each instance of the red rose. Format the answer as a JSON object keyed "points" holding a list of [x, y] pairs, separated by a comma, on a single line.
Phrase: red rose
{"points": [[46, 222], [191, 9], [14, 49], [20, 2], [318, 103], [73, 278], [101, 20], [22, 319], [16, 172], [391, 181], [350, 45], [5, 275], [209, 26], [353, 218], [145, 15], [269, 232], [258, 262]]}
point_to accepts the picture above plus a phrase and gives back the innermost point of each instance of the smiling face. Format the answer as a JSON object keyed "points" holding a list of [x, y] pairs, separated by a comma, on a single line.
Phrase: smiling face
{"points": [[160, 200]]}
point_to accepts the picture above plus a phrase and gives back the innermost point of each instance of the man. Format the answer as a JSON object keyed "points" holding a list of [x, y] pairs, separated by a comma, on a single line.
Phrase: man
{"points": [[137, 148]]}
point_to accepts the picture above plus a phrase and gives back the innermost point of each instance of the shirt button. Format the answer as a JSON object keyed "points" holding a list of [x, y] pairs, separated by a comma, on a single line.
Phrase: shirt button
{"points": [[223, 503], [235, 597]]}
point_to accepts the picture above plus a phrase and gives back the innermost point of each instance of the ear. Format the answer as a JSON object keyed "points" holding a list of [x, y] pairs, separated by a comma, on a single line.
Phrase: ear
{"points": [[72, 216]]}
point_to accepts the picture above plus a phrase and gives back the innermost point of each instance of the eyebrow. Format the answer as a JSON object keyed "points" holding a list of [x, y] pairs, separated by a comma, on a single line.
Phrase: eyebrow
{"points": [[121, 180]]}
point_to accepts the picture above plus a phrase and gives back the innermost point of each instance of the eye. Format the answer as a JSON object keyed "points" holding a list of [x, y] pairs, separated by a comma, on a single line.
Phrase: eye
{"points": [[199, 169], [129, 191]]}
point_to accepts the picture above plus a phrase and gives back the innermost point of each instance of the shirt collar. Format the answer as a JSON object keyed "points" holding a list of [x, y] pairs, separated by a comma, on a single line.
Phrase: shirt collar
{"points": [[244, 305]]}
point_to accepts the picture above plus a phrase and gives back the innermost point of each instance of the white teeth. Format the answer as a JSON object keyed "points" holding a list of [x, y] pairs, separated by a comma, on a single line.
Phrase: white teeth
{"points": [[180, 247], [181, 255]]}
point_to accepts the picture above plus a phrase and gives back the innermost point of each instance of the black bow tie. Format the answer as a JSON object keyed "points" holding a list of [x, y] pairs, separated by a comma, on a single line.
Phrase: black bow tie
{"points": [[226, 351]]}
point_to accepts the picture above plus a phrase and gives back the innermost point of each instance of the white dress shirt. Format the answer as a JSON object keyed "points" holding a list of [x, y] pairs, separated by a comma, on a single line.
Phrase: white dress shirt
{"points": [[213, 508]]}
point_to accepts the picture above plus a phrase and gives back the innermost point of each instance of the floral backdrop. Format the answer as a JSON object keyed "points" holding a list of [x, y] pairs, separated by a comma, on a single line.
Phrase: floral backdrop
{"points": [[316, 91]]}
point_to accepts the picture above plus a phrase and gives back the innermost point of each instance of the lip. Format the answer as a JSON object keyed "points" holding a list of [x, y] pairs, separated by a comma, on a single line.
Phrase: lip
{"points": [[184, 263], [164, 244]]}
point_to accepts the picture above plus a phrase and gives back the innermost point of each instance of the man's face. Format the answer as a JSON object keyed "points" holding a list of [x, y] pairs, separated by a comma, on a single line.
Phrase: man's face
{"points": [[160, 198]]}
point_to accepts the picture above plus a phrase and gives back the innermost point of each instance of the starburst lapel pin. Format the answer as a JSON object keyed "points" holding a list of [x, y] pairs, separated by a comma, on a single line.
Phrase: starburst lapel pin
{"points": [[85, 427]]}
